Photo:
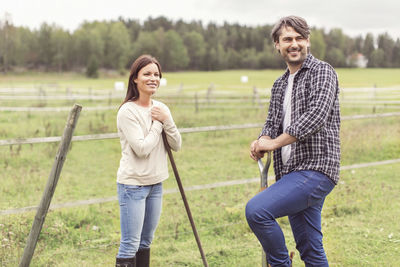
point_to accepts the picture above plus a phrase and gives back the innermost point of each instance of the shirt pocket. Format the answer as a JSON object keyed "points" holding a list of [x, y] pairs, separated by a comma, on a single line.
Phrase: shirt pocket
{"points": [[300, 96]]}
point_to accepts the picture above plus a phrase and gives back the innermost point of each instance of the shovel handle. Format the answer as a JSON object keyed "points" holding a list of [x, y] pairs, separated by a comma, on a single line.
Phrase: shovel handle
{"points": [[264, 171], [263, 185]]}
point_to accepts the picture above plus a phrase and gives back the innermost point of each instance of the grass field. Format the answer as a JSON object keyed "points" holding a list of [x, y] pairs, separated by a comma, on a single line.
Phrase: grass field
{"points": [[359, 218]]}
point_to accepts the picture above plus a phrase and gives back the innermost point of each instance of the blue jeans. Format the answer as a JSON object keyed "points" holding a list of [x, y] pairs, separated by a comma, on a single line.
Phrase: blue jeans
{"points": [[140, 209], [299, 195]]}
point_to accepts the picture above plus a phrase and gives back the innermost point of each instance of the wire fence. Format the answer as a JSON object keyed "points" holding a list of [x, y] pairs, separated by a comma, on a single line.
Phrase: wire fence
{"points": [[204, 229], [104, 244], [188, 188], [52, 139]]}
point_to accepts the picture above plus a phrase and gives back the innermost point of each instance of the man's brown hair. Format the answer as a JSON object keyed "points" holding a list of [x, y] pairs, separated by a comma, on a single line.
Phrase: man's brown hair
{"points": [[297, 23]]}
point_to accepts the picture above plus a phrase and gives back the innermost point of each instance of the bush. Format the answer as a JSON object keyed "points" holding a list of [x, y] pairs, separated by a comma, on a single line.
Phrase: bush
{"points": [[92, 68]]}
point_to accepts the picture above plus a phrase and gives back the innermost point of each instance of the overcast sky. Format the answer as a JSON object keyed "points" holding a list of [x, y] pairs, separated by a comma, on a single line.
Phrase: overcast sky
{"points": [[354, 17]]}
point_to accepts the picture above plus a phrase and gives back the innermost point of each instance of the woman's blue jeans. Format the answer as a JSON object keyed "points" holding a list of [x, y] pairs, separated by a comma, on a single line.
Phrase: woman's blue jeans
{"points": [[140, 209], [299, 195]]}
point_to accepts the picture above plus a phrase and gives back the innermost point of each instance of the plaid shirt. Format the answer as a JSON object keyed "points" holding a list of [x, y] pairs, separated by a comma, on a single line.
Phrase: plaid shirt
{"points": [[315, 120]]}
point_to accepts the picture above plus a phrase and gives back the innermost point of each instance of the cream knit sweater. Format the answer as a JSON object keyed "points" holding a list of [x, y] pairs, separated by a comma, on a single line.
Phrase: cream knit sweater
{"points": [[144, 157]]}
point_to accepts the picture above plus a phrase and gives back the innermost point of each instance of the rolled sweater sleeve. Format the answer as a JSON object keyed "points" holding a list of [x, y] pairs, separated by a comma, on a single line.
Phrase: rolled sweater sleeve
{"points": [[129, 126], [323, 92]]}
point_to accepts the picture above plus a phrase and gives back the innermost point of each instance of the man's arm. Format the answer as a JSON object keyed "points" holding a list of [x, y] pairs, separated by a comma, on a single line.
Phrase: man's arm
{"points": [[266, 143]]}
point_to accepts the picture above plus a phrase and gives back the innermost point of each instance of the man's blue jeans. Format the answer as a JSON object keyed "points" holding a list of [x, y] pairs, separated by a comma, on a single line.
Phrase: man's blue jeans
{"points": [[300, 196], [140, 209]]}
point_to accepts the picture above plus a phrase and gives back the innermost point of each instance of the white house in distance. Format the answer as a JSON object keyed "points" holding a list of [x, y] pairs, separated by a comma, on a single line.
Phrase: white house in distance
{"points": [[357, 60]]}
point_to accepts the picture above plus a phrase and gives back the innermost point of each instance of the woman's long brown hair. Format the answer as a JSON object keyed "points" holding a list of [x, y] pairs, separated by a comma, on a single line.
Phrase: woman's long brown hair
{"points": [[132, 92]]}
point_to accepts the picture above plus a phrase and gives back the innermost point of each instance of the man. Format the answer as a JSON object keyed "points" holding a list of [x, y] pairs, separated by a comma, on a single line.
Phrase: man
{"points": [[302, 128]]}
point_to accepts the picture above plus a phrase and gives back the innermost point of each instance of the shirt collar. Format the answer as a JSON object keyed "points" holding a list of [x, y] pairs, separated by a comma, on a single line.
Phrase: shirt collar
{"points": [[306, 65]]}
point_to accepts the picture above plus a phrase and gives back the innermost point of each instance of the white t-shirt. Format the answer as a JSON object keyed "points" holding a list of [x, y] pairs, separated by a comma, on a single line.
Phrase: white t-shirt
{"points": [[287, 107]]}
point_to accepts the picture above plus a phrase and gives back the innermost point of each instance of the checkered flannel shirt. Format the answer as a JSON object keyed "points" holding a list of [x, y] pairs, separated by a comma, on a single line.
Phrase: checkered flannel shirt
{"points": [[315, 120]]}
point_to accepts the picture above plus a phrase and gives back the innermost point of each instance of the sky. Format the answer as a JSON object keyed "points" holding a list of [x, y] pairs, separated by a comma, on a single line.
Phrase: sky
{"points": [[354, 17]]}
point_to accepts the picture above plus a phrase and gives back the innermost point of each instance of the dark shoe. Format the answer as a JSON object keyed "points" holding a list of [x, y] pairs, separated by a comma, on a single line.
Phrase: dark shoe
{"points": [[125, 262], [143, 257]]}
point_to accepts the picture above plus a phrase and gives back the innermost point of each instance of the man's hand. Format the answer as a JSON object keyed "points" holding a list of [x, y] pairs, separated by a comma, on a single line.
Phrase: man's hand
{"points": [[265, 144], [260, 146], [253, 153]]}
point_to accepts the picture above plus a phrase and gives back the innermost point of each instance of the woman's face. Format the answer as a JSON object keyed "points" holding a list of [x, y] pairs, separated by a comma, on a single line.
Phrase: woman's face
{"points": [[148, 79]]}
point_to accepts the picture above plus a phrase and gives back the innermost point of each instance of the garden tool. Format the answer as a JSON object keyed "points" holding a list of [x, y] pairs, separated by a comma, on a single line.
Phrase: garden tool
{"points": [[263, 185], [181, 190]]}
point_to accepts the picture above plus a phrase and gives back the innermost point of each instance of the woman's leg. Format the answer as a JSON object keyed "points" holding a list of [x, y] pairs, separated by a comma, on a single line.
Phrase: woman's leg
{"points": [[132, 202], [152, 215]]}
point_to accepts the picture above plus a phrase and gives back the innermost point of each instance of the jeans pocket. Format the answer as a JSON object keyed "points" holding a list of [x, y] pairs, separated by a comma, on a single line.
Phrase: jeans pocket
{"points": [[321, 191], [132, 187], [135, 192]]}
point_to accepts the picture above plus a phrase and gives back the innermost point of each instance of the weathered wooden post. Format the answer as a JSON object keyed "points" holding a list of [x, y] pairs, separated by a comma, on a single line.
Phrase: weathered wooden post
{"points": [[50, 186], [90, 94], [255, 95], [209, 92], [180, 89], [67, 95], [42, 97], [109, 98], [196, 103]]}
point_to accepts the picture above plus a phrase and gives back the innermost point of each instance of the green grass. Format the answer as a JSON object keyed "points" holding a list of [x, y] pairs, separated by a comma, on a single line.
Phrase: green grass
{"points": [[359, 223], [196, 80], [359, 219], [368, 77]]}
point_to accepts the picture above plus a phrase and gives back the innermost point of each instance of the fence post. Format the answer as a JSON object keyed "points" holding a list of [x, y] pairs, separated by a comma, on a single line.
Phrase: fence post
{"points": [[255, 95], [209, 92], [109, 98], [50, 186], [90, 94], [180, 89], [196, 103]]}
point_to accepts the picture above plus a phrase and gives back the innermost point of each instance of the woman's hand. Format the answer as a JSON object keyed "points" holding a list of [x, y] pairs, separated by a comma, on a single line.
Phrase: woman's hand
{"points": [[159, 114]]}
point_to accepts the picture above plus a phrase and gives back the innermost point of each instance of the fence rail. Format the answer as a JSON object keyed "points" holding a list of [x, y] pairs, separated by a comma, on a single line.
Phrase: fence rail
{"points": [[188, 188], [52, 139]]}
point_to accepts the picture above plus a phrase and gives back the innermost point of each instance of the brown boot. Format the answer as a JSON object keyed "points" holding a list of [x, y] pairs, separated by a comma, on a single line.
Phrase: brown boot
{"points": [[143, 257], [125, 262], [291, 256]]}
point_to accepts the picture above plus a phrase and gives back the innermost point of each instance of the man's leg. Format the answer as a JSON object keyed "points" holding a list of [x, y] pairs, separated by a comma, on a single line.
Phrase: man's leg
{"points": [[306, 228], [290, 195]]}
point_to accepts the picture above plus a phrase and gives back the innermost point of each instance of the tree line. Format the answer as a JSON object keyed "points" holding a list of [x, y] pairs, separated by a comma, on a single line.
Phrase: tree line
{"points": [[178, 45]]}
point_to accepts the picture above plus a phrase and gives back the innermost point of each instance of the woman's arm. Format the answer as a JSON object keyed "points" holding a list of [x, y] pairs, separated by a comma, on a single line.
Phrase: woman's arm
{"points": [[130, 127]]}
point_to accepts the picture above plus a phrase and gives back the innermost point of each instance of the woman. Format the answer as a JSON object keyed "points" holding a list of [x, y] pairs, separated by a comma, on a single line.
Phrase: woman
{"points": [[143, 166]]}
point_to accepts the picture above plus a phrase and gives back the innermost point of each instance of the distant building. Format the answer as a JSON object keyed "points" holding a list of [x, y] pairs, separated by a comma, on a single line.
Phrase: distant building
{"points": [[357, 60]]}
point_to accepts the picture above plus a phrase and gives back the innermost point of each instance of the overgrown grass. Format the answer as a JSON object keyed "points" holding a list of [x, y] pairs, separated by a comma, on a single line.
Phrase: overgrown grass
{"points": [[206, 158], [195, 80], [360, 215], [359, 223]]}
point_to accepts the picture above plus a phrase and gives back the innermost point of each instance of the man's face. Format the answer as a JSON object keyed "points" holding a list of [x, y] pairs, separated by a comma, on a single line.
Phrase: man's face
{"points": [[292, 46]]}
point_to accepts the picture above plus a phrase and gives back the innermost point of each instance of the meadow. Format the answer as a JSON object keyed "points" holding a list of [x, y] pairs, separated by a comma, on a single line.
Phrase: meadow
{"points": [[359, 216]]}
